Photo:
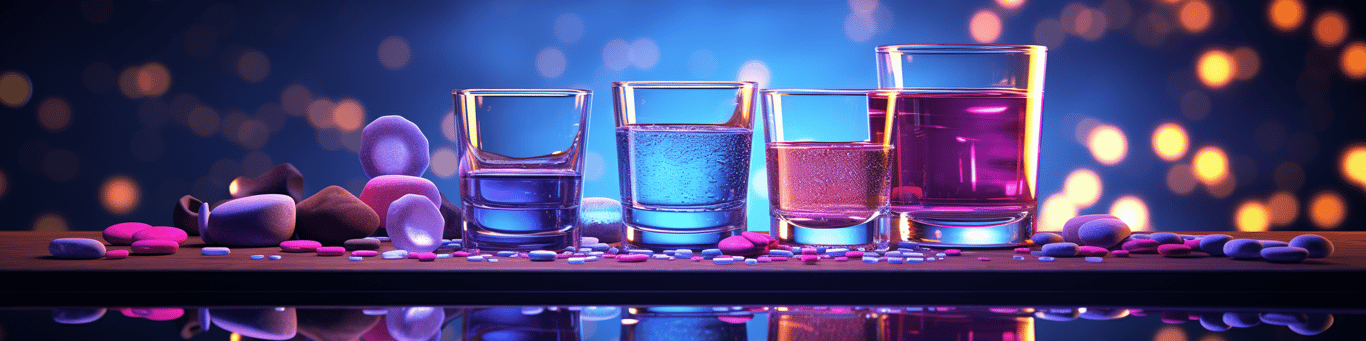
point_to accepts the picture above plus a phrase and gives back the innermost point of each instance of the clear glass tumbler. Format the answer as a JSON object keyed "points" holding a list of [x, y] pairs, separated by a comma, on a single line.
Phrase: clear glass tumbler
{"points": [[965, 125], [827, 174], [522, 170], [683, 150]]}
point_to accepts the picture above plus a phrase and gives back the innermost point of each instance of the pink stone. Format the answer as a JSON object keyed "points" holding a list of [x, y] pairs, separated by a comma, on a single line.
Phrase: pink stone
{"points": [[154, 314], [364, 253], [741, 246], [161, 232], [116, 254], [756, 238], [1142, 246], [808, 251], [1021, 250], [632, 258], [1120, 253], [609, 256], [385, 189], [122, 233], [953, 252], [694, 258], [155, 247], [1092, 251], [1194, 244], [1174, 250], [763, 259], [853, 254], [331, 251], [425, 256], [299, 246]]}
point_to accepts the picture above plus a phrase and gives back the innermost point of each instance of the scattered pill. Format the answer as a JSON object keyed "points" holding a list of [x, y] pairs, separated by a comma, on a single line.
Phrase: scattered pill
{"points": [[475, 258], [443, 255], [588, 240], [683, 253], [151, 247], [751, 261], [1284, 254], [1045, 259], [1064, 249], [356, 259], [1092, 251], [1167, 238], [258, 257], [591, 259], [637, 258], [1095, 259], [870, 260], [953, 252], [723, 260], [808, 251], [1019, 257], [491, 260], [457, 253], [214, 251], [1174, 250], [1141, 246], [331, 251], [894, 260], [1021, 250], [1036, 253], [274, 257], [984, 258], [915, 260], [542, 255], [297, 246], [837, 252], [641, 252], [941, 254], [711, 253], [576, 260], [853, 254], [841, 259], [810, 259], [394, 254], [1317, 246], [778, 258], [116, 254], [1243, 249], [506, 253], [908, 245], [694, 258]]}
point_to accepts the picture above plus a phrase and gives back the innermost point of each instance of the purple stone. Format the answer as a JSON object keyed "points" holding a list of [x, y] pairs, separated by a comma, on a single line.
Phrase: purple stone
{"points": [[1214, 244], [1243, 249], [161, 232], [392, 145], [1213, 322], [383, 190], [1070, 228], [1042, 238], [1141, 246], [1104, 233], [1092, 251], [1284, 254], [1317, 246], [1272, 243], [267, 323], [1167, 238], [76, 248], [77, 315], [283, 179], [254, 221], [741, 246], [415, 224], [415, 323], [1065, 249]]}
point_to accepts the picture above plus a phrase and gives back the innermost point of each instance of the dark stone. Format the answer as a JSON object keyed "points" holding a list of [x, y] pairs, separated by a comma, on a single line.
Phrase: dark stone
{"points": [[361, 244], [451, 213], [335, 324], [283, 179], [186, 215], [333, 215]]}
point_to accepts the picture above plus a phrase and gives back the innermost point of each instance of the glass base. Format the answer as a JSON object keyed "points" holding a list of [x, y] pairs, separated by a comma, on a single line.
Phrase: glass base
{"points": [[660, 240], [493, 241], [983, 227], [871, 234]]}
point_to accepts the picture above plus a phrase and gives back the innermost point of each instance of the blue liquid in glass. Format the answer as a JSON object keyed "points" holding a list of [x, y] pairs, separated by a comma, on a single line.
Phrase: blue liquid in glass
{"points": [[683, 186], [519, 211]]}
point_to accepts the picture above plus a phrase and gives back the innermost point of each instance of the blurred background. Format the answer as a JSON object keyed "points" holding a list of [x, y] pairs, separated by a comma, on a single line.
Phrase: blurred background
{"points": [[1175, 115]]}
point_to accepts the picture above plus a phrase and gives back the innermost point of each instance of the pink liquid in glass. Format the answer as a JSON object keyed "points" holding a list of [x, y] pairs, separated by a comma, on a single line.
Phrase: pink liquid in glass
{"points": [[827, 186]]}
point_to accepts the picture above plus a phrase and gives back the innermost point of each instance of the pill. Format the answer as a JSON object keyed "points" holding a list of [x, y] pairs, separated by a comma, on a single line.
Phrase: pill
{"points": [[1021, 250], [1092, 251], [1284, 254], [395, 254], [1036, 253], [1120, 253], [331, 251], [893, 254], [576, 260], [641, 252], [603, 247], [588, 240], [953, 252], [613, 250], [443, 255], [475, 258], [1166, 238], [915, 260], [457, 253], [941, 254], [780, 253], [591, 259], [808, 251], [711, 253], [542, 255], [506, 253], [116, 254], [853, 254], [637, 258], [907, 245], [425, 256], [1317, 246], [695, 258], [1174, 250], [841, 259], [778, 258], [1242, 320], [355, 258], [1140, 246], [683, 253], [1019, 257], [1063, 249], [214, 251], [722, 260], [810, 259], [751, 261], [300, 245], [837, 252], [274, 257], [1045, 259], [364, 253], [491, 260], [1095, 259], [258, 257], [870, 260], [894, 260], [763, 259], [1243, 249]]}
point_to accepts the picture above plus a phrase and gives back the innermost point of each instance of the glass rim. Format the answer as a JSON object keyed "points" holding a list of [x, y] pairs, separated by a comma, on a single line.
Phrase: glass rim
{"points": [[522, 92], [961, 48], [945, 90], [685, 84], [813, 91]]}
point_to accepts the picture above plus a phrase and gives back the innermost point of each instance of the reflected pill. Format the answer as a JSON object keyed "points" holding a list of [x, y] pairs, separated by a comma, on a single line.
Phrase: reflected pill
{"points": [[116, 254], [331, 251], [274, 257]]}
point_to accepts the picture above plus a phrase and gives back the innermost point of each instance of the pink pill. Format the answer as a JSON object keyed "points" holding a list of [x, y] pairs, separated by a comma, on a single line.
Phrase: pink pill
{"points": [[632, 258], [1092, 251], [841, 259], [461, 254], [763, 259], [853, 254], [810, 259], [778, 258], [1174, 250], [1120, 253], [953, 252], [425, 256], [1021, 250], [808, 251], [116, 254], [155, 247], [331, 251], [300, 246], [364, 253], [1194, 244], [162, 233]]}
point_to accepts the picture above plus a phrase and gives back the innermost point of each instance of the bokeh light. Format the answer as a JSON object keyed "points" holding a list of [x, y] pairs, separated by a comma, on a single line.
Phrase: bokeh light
{"points": [[1285, 15], [320, 113], [1170, 333], [204, 121], [593, 166], [295, 100], [1210, 165], [120, 194], [1252, 216], [1083, 187], [1196, 16], [754, 71], [15, 89], [1049, 33], [152, 80], [394, 53], [1107, 144], [1327, 210], [1215, 68], [985, 26], [1247, 61], [252, 133], [1170, 141], [569, 28], [348, 115], [445, 162], [1055, 211], [253, 66], [1353, 164], [1010, 4], [702, 63], [1132, 211], [1353, 60], [550, 62], [1284, 208], [616, 54], [1330, 28], [4, 184], [644, 53], [1180, 180], [1085, 22], [54, 114], [50, 222]]}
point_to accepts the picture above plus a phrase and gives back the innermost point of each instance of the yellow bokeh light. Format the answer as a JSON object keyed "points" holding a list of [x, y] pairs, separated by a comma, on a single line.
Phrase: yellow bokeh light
{"points": [[1056, 210], [50, 222], [1284, 208], [1353, 60], [348, 115], [1180, 180], [234, 187], [1170, 141], [1107, 144], [1083, 187], [1010, 4], [985, 26], [1210, 165], [1285, 15], [15, 89], [54, 114], [1247, 61], [120, 195], [1215, 68], [1252, 216], [1330, 28], [1196, 16], [152, 79], [1353, 164], [1132, 211], [1327, 210]]}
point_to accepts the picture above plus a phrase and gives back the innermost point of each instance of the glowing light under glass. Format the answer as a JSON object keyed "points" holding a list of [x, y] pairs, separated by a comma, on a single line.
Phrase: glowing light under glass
{"points": [[1285, 15]]}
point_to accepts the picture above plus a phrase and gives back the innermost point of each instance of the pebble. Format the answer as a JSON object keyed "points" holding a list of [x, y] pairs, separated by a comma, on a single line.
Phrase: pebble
{"points": [[355, 258], [76, 248], [274, 257], [781, 253], [953, 252], [116, 254], [1284, 254], [1167, 238], [1272, 243], [331, 251], [1065, 249], [1104, 233], [1071, 228], [1194, 244], [1095, 259], [415, 224], [186, 214], [742, 246], [297, 246], [394, 254], [382, 191], [475, 258], [1174, 250], [1092, 251], [334, 216], [121, 234], [155, 247], [984, 258], [641, 258], [258, 257], [1141, 246], [1242, 320], [1120, 253], [361, 244], [1042, 238], [811, 259], [214, 251], [283, 179], [1045, 259], [722, 260], [1282, 319], [683, 253], [204, 223], [364, 253], [393, 145], [1317, 246], [254, 221], [425, 256], [751, 261], [77, 315], [576, 260], [711, 253], [162, 233], [1243, 249], [542, 256], [853, 254]]}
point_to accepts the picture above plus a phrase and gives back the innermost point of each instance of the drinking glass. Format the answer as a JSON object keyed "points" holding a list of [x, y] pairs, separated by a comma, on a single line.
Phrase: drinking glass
{"points": [[683, 150], [522, 169], [827, 174], [965, 125]]}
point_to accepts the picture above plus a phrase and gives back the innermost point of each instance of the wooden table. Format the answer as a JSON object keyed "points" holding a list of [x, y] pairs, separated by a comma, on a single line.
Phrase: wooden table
{"points": [[32, 277]]}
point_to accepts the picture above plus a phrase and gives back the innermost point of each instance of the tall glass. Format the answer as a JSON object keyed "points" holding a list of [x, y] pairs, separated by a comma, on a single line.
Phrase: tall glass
{"points": [[966, 131], [522, 170], [827, 175], [683, 151]]}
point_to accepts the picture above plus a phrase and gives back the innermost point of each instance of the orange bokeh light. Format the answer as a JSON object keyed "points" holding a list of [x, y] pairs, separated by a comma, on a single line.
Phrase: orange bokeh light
{"points": [[253, 66], [54, 114], [120, 195], [1170, 141], [985, 26], [1284, 208], [295, 99], [1210, 165], [1353, 60], [1330, 28], [1010, 4], [1327, 210], [1215, 68], [152, 79], [1353, 164], [1247, 61], [320, 113], [15, 89], [50, 222], [1083, 187], [1285, 15], [1196, 16], [394, 53], [1107, 144], [1180, 180], [348, 115], [1252, 216]]}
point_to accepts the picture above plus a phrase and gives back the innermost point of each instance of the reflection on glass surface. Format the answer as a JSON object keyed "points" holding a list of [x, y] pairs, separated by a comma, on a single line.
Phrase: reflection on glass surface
{"points": [[642, 323]]}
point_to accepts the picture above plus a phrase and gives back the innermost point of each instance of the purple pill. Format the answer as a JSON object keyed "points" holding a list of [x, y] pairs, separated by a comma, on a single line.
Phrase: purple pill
{"points": [[1214, 244], [1272, 243], [1071, 227], [1167, 238], [1064, 249], [1042, 238], [1284, 254], [1317, 246], [1103, 232], [1243, 249]]}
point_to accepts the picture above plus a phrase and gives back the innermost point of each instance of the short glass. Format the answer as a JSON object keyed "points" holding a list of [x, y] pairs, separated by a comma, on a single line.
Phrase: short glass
{"points": [[966, 131], [683, 149], [522, 169], [827, 174]]}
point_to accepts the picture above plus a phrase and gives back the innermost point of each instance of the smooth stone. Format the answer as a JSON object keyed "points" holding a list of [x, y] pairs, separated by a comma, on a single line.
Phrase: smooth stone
{"points": [[1194, 244], [741, 246], [258, 257], [215, 251], [76, 248], [600, 218], [1272, 243], [116, 254], [1141, 246], [1282, 319], [542, 255], [155, 247], [254, 221], [722, 260], [1140, 236], [297, 246], [361, 244], [121, 234], [334, 324], [1174, 250], [275, 257], [1060, 315], [392, 145], [1313, 324], [1213, 322], [204, 223], [283, 179], [1242, 320], [1167, 238], [1214, 244], [1317, 246], [162, 233], [267, 323], [331, 251], [1284, 254], [332, 216], [1243, 249], [1120, 253], [1104, 233], [765, 239], [77, 315], [415, 224], [1102, 314], [1071, 227], [383, 190], [451, 214], [1064, 249], [185, 216], [1092, 251], [1042, 238]]}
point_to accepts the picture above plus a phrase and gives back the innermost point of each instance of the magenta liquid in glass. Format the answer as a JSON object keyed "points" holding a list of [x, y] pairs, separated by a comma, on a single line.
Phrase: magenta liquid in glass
{"points": [[958, 170]]}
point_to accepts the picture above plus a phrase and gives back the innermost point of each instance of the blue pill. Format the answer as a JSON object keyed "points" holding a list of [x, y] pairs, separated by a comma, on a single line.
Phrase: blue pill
{"points": [[931, 259], [1317, 246], [941, 254], [837, 252], [506, 253], [444, 255], [1167, 238], [600, 247], [661, 256], [1140, 236], [576, 260], [394, 254], [585, 249], [915, 260], [1063, 249], [641, 252], [1284, 254], [683, 253], [870, 260], [723, 260], [820, 250], [907, 245], [1214, 244], [893, 254], [780, 253], [894, 260], [711, 253], [258, 257], [275, 257], [542, 255], [1019, 257], [613, 250], [1095, 259], [597, 253], [356, 259], [1042, 238], [492, 260], [591, 258], [214, 251], [475, 258], [752, 261], [1045, 259], [1243, 249]]}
